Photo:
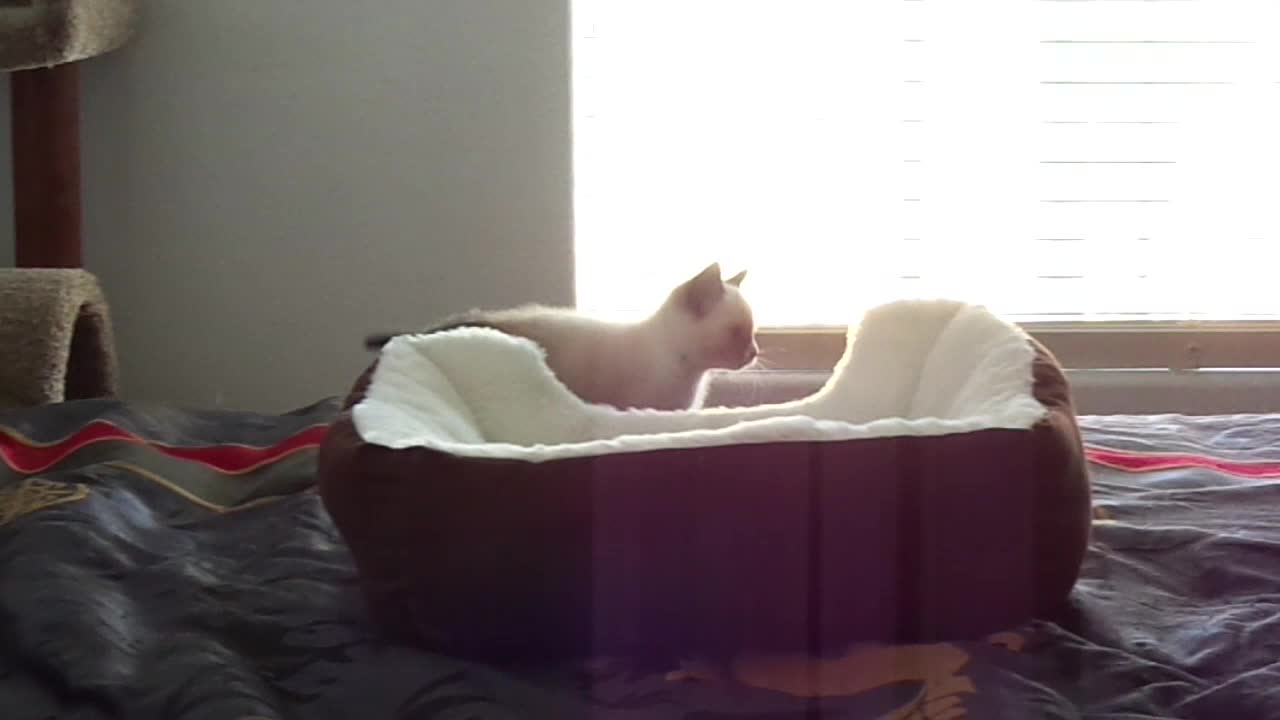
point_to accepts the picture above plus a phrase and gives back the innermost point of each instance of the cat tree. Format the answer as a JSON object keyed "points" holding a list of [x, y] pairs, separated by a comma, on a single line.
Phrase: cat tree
{"points": [[55, 327], [41, 44]]}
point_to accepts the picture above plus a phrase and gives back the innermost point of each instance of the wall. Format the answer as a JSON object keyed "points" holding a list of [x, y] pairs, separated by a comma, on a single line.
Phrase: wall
{"points": [[265, 182]]}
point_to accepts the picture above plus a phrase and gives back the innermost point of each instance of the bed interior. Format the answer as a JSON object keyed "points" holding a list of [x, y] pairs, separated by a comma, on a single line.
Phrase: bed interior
{"points": [[920, 367]]}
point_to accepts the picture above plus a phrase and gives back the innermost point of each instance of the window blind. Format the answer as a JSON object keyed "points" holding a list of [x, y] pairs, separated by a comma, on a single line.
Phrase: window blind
{"points": [[1078, 159]]}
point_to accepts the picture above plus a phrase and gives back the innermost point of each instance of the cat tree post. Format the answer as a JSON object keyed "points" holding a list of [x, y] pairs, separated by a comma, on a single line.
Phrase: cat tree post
{"points": [[45, 108], [41, 44]]}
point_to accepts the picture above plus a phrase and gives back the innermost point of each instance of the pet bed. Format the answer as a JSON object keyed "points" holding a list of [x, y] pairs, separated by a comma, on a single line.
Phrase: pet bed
{"points": [[934, 488]]}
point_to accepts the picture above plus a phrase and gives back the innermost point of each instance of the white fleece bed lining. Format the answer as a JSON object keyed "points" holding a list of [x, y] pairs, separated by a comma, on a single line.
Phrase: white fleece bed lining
{"points": [[916, 367]]}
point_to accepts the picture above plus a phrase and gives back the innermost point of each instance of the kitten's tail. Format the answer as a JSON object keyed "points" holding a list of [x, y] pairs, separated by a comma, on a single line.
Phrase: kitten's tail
{"points": [[474, 318], [377, 340]]}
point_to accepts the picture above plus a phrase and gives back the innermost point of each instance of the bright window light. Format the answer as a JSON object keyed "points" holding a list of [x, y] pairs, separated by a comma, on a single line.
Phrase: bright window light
{"points": [[1049, 158]]}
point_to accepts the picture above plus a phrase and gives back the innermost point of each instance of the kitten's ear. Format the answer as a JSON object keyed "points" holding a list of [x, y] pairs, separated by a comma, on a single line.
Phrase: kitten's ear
{"points": [[709, 273], [736, 280], [702, 292]]}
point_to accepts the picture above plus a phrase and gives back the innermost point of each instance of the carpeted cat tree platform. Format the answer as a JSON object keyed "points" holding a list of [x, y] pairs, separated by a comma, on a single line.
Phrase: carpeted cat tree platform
{"points": [[56, 341]]}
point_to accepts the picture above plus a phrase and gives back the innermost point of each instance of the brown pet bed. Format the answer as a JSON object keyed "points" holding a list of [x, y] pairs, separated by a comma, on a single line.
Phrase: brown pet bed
{"points": [[934, 488]]}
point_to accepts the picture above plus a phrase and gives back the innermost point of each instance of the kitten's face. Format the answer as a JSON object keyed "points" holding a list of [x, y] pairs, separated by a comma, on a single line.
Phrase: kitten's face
{"points": [[712, 322]]}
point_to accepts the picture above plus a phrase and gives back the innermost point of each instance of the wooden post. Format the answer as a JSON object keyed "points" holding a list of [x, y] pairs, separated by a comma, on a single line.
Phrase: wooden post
{"points": [[45, 109]]}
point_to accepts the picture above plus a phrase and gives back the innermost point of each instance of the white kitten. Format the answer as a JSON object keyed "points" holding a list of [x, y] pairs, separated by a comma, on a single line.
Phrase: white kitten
{"points": [[659, 362]]}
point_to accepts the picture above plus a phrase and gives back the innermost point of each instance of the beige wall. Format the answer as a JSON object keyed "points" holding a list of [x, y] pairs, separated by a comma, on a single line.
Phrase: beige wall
{"points": [[267, 180]]}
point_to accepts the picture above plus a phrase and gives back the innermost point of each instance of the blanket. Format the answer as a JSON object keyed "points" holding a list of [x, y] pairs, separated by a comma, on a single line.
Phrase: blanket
{"points": [[162, 563]]}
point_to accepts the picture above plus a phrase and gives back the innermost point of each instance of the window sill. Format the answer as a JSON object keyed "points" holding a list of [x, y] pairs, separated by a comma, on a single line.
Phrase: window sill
{"points": [[1096, 392], [1093, 345]]}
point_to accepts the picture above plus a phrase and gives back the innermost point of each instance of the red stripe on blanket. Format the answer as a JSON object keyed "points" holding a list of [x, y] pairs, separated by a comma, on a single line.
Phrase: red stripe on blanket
{"points": [[28, 457], [1151, 462]]}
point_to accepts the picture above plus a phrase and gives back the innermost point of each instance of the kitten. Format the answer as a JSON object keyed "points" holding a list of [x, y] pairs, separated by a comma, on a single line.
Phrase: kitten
{"points": [[658, 362]]}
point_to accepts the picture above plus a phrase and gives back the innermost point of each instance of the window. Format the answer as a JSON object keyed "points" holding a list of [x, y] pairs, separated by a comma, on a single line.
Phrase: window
{"points": [[1084, 166]]}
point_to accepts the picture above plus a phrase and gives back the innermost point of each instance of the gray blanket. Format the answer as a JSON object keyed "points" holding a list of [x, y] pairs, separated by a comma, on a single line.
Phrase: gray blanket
{"points": [[157, 563]]}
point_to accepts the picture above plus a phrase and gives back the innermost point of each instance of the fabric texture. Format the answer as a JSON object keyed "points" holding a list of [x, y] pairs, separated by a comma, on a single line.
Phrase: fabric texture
{"points": [[56, 340]]}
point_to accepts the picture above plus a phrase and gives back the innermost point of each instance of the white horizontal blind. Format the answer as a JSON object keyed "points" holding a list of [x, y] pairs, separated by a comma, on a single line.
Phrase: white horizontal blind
{"points": [[1066, 158]]}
